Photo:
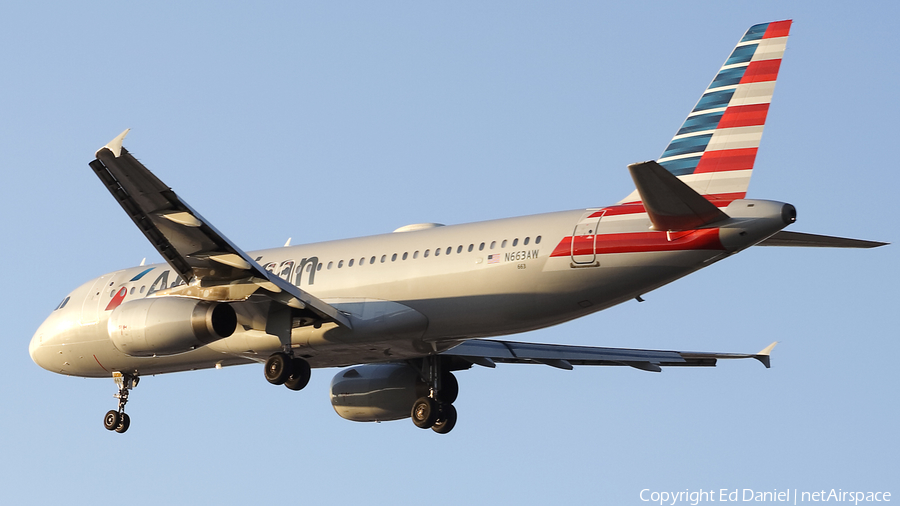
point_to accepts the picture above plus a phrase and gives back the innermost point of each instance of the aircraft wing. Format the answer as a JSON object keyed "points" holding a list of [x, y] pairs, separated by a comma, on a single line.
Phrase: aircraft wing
{"points": [[211, 265], [487, 351]]}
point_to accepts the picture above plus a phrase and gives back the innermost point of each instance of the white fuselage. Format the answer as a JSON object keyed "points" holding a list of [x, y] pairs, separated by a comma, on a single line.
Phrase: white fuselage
{"points": [[417, 292]]}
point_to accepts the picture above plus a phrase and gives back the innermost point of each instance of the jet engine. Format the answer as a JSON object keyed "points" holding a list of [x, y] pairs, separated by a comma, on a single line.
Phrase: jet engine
{"points": [[378, 392], [169, 325]]}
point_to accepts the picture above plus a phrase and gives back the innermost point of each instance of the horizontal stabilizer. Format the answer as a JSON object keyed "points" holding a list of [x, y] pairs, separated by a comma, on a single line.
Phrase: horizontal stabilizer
{"points": [[801, 240], [476, 351], [670, 203]]}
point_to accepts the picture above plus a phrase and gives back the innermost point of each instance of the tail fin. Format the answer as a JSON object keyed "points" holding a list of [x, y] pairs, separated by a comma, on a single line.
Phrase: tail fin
{"points": [[714, 150]]}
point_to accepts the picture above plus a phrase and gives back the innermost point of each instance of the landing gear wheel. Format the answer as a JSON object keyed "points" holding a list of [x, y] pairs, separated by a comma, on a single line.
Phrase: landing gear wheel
{"points": [[111, 420], [446, 420], [424, 412], [300, 374], [449, 388], [124, 423], [278, 368]]}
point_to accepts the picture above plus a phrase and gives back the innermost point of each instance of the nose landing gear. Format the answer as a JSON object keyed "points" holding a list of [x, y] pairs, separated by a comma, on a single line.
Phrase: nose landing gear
{"points": [[119, 421]]}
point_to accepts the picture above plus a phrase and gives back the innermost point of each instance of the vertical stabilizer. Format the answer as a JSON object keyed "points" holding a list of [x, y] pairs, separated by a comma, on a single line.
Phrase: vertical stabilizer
{"points": [[714, 150]]}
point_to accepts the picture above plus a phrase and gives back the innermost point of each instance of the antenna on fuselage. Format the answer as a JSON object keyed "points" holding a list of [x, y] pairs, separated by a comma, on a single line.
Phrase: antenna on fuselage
{"points": [[143, 261], [288, 243]]}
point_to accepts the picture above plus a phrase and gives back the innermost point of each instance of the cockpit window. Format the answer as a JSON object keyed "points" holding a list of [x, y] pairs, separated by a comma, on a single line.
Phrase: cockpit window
{"points": [[62, 304]]}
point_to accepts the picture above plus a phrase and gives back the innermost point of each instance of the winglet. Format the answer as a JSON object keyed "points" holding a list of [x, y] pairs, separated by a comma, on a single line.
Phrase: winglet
{"points": [[115, 145], [763, 356]]}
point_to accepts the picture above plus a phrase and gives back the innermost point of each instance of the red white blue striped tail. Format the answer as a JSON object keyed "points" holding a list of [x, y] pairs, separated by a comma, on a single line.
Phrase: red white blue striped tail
{"points": [[714, 150]]}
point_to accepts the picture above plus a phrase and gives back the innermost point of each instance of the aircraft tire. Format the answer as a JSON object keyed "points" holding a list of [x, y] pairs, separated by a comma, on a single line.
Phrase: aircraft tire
{"points": [[124, 423], [300, 374], [424, 412], [449, 388], [446, 421], [278, 368], [111, 419]]}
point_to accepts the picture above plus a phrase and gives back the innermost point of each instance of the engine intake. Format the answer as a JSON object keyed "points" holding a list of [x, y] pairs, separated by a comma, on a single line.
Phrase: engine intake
{"points": [[169, 325]]}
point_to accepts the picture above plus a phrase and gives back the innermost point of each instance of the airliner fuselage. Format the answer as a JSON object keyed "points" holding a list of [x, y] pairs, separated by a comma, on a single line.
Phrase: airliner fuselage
{"points": [[411, 292]]}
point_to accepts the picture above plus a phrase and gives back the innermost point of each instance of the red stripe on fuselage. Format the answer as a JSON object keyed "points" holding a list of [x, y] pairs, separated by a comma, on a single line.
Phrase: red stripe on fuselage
{"points": [[639, 242], [778, 29], [761, 71], [719, 199]]}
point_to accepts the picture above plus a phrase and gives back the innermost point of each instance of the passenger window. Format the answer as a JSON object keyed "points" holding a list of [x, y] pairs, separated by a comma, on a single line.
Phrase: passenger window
{"points": [[362, 261], [426, 253], [383, 258], [415, 255], [471, 247], [308, 267], [330, 264], [132, 291], [318, 267], [341, 263], [526, 241], [437, 251], [405, 255], [515, 242], [459, 249], [450, 249], [503, 244], [350, 264], [394, 257], [481, 247], [537, 240], [372, 260], [493, 244], [142, 289]]}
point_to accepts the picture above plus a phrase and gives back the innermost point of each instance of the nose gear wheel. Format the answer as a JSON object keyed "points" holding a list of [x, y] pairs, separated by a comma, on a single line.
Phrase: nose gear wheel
{"points": [[118, 420]]}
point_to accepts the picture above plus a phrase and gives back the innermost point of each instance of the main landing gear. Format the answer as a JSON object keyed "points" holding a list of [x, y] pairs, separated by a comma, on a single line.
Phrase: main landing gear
{"points": [[436, 411], [118, 420], [284, 369]]}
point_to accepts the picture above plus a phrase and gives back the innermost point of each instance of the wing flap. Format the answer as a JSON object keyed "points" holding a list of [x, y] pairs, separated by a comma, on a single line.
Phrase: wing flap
{"points": [[476, 351]]}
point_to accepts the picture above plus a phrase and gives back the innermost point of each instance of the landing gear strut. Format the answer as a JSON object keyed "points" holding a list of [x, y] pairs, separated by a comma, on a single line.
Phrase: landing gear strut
{"points": [[284, 369], [436, 411], [118, 420]]}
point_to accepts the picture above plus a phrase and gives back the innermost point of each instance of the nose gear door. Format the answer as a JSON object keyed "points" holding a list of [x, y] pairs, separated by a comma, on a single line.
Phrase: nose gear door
{"points": [[584, 238]]}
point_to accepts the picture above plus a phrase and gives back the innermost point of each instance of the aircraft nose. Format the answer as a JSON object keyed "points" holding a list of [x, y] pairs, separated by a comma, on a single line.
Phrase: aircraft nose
{"points": [[34, 347], [41, 347]]}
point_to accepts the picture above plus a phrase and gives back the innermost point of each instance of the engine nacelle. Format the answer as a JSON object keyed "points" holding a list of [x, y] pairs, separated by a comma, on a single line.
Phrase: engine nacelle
{"points": [[375, 393], [169, 325]]}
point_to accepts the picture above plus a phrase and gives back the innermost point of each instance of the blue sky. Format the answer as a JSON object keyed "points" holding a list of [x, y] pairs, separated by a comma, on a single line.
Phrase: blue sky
{"points": [[319, 122]]}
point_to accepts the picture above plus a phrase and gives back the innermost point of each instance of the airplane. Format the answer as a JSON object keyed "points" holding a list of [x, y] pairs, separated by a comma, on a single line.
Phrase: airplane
{"points": [[402, 311]]}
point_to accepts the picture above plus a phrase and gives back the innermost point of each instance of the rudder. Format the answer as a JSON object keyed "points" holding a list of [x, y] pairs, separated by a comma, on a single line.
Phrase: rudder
{"points": [[715, 148]]}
